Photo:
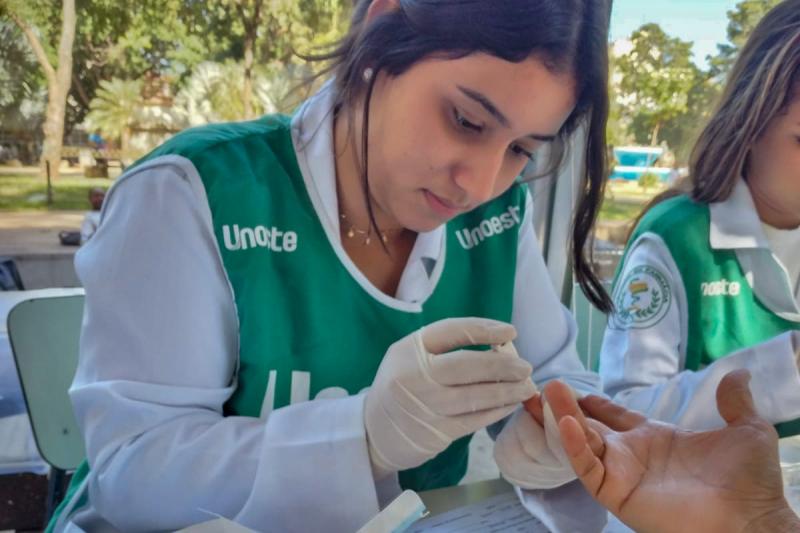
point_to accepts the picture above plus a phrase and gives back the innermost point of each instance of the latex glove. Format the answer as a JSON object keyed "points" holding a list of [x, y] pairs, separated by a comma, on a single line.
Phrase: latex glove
{"points": [[531, 456], [425, 395]]}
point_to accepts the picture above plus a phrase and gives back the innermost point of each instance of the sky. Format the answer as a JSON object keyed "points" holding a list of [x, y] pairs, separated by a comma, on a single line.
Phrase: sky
{"points": [[701, 21]]}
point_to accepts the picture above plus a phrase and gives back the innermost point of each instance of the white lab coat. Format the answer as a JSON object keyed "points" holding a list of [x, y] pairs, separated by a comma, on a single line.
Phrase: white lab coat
{"points": [[643, 368], [159, 351]]}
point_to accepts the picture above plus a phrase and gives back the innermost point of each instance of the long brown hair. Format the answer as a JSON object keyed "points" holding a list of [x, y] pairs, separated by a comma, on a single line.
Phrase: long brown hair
{"points": [[761, 86], [570, 35]]}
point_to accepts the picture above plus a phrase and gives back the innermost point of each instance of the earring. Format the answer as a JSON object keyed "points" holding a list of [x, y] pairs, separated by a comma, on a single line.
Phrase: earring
{"points": [[368, 72]]}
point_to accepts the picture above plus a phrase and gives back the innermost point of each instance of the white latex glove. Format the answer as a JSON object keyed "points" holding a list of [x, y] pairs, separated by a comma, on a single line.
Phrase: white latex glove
{"points": [[425, 395], [796, 345], [530, 456]]}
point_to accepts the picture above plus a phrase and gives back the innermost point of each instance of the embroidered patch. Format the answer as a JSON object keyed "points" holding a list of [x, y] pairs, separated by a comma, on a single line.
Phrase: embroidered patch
{"points": [[641, 299]]}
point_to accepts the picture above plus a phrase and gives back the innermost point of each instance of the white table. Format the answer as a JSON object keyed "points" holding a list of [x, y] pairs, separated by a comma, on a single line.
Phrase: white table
{"points": [[18, 451]]}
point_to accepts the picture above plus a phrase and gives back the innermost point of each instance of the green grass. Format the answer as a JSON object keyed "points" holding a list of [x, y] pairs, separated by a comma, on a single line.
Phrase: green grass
{"points": [[615, 210], [625, 200], [25, 192]]}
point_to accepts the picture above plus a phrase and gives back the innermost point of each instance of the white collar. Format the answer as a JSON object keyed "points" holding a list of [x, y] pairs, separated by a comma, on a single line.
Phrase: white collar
{"points": [[735, 223]]}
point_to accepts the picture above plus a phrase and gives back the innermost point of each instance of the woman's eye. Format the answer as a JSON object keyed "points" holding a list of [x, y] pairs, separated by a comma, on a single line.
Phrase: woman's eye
{"points": [[520, 151], [466, 124]]}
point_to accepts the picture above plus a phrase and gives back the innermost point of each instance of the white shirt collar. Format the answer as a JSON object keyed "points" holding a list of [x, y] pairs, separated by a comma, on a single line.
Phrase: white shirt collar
{"points": [[735, 223], [313, 128]]}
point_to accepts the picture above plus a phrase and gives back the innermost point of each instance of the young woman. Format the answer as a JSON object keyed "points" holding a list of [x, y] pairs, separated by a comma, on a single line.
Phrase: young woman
{"points": [[710, 281], [264, 334]]}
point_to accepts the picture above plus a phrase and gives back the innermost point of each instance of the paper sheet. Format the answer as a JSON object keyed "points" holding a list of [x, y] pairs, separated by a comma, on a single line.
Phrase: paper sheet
{"points": [[501, 513]]}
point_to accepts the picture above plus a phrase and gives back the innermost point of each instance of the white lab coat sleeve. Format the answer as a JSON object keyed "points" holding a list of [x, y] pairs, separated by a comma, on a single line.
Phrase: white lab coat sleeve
{"points": [[546, 330], [643, 367], [158, 356], [546, 333]]}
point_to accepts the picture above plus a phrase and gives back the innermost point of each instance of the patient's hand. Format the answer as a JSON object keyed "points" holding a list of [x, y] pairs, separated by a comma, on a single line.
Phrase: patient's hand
{"points": [[656, 477]]}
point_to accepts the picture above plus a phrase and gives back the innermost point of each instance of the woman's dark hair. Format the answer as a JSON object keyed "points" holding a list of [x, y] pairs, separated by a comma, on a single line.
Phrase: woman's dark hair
{"points": [[567, 35], [762, 84]]}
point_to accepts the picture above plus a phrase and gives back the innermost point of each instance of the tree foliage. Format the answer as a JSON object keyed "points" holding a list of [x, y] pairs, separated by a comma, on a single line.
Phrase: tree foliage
{"points": [[657, 75], [742, 20]]}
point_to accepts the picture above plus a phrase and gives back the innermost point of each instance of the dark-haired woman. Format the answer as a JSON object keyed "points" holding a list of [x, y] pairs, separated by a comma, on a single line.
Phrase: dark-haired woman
{"points": [[274, 327]]}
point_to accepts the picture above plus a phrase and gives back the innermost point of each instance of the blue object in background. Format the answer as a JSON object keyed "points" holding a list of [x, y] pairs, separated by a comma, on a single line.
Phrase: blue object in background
{"points": [[633, 161]]}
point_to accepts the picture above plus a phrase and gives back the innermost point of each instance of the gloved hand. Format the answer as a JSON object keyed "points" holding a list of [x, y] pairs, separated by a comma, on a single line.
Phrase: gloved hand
{"points": [[425, 395], [531, 456]]}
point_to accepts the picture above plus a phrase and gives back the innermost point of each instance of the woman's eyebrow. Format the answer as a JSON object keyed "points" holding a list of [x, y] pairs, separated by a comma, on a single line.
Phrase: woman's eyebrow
{"points": [[492, 109], [487, 104]]}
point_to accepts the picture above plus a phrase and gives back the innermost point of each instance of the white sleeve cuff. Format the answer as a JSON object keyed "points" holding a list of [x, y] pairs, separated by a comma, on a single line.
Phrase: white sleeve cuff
{"points": [[775, 384]]}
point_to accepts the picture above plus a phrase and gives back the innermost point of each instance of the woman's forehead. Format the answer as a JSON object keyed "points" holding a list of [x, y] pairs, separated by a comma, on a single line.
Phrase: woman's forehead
{"points": [[531, 94]]}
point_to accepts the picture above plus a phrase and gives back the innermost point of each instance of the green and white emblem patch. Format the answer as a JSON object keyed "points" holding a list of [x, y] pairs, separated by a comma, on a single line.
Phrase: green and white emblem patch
{"points": [[641, 299]]}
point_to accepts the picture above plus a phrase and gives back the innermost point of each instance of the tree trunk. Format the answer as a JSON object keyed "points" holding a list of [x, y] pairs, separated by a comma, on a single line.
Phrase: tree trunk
{"points": [[247, 91], [57, 89], [251, 22], [654, 138], [58, 84]]}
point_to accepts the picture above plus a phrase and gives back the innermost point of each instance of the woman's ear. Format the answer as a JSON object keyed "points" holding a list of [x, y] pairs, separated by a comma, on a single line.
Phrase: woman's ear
{"points": [[381, 7]]}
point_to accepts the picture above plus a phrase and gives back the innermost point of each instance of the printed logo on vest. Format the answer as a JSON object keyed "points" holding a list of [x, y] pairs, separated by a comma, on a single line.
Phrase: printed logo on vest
{"points": [[259, 237], [469, 238], [722, 287], [300, 387], [641, 299]]}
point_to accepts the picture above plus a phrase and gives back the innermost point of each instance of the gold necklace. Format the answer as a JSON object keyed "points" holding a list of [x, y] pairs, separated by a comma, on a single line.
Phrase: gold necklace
{"points": [[352, 232]]}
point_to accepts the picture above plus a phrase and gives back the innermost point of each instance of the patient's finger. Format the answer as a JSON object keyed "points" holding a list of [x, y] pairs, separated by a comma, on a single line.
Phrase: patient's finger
{"points": [[535, 409], [561, 399], [587, 465]]}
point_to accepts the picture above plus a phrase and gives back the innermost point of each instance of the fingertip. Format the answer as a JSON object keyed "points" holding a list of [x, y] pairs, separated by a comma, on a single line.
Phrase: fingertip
{"points": [[740, 375], [572, 435], [555, 388]]}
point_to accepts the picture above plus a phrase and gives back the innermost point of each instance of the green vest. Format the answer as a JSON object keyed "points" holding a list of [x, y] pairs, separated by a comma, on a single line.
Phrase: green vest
{"points": [[307, 328], [724, 313]]}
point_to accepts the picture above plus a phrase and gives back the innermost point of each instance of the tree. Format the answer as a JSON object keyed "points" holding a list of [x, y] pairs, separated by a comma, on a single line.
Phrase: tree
{"points": [[656, 76], [143, 39], [113, 109], [166, 40], [261, 36], [130, 41], [249, 12], [58, 73], [617, 126], [23, 89], [742, 20], [681, 132]]}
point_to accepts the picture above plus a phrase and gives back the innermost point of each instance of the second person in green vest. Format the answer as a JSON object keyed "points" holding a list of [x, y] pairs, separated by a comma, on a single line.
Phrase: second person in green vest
{"points": [[710, 281]]}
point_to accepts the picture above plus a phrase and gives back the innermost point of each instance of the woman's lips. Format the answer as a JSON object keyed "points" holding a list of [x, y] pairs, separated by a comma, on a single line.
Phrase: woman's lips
{"points": [[442, 207]]}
